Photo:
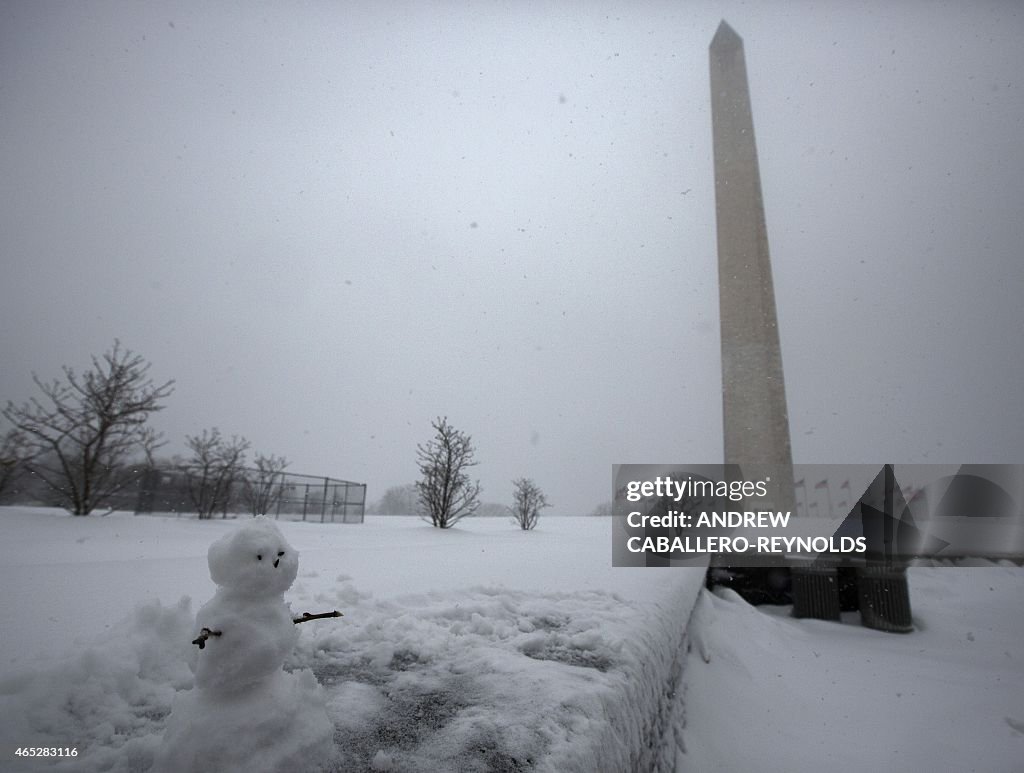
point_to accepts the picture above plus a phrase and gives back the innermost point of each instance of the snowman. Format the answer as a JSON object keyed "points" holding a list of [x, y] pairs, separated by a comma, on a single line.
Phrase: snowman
{"points": [[245, 713]]}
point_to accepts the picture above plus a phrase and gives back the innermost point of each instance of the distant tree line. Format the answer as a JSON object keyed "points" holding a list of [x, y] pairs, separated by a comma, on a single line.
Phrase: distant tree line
{"points": [[84, 440]]}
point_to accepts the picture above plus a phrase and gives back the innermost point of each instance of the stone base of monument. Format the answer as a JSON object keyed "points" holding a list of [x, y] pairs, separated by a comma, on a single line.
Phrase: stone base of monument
{"points": [[821, 591], [882, 594], [884, 598], [816, 592]]}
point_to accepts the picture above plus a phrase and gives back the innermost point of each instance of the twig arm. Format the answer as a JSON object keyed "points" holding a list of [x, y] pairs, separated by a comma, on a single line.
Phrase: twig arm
{"points": [[305, 617], [205, 634]]}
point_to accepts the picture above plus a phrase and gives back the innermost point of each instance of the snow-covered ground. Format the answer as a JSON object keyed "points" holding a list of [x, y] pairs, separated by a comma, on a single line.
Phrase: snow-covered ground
{"points": [[485, 648], [779, 694], [473, 649]]}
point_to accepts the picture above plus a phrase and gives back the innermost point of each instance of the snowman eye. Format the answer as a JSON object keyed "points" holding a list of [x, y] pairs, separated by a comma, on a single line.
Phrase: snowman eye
{"points": [[280, 553], [259, 556]]}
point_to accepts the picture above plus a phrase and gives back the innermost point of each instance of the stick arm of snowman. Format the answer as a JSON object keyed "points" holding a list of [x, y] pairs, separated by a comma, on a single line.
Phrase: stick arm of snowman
{"points": [[305, 617], [204, 634]]}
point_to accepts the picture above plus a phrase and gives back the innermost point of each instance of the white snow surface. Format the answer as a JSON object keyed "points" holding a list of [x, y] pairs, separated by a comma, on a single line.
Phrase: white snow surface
{"points": [[277, 724], [807, 695], [484, 648], [472, 649]]}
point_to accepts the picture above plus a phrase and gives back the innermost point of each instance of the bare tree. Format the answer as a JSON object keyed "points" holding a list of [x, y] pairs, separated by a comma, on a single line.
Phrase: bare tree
{"points": [[213, 469], [85, 428], [529, 501], [446, 493], [262, 487], [398, 500]]}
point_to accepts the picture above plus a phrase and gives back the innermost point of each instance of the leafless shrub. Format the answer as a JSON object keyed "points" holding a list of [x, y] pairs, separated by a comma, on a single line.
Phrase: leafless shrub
{"points": [[446, 493], [529, 501]]}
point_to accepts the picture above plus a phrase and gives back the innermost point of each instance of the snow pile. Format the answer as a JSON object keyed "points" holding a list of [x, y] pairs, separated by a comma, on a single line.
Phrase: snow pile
{"points": [[492, 679], [109, 701], [275, 725]]}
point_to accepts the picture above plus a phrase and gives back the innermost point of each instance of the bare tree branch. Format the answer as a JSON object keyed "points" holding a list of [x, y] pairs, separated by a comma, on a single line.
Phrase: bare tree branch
{"points": [[215, 466], [262, 488]]}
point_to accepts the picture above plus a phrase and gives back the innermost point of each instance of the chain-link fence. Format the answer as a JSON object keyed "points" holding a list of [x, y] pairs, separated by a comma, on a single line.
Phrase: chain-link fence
{"points": [[214, 492], [178, 490]]}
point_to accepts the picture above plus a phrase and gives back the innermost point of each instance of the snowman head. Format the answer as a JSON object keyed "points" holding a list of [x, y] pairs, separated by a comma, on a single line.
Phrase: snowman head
{"points": [[254, 560]]}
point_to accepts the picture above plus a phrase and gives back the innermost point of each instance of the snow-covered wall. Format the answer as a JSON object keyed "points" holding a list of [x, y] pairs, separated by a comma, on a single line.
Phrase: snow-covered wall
{"points": [[557, 682], [641, 711]]}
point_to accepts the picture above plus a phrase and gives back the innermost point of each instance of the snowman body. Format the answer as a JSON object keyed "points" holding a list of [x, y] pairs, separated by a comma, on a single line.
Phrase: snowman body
{"points": [[252, 567], [255, 639], [245, 712]]}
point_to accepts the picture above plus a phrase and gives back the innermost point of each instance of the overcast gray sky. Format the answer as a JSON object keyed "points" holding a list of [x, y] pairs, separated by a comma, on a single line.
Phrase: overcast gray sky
{"points": [[333, 222]]}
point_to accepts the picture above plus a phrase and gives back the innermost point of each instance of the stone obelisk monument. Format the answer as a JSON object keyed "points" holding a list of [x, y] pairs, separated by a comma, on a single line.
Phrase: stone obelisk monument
{"points": [[753, 392]]}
